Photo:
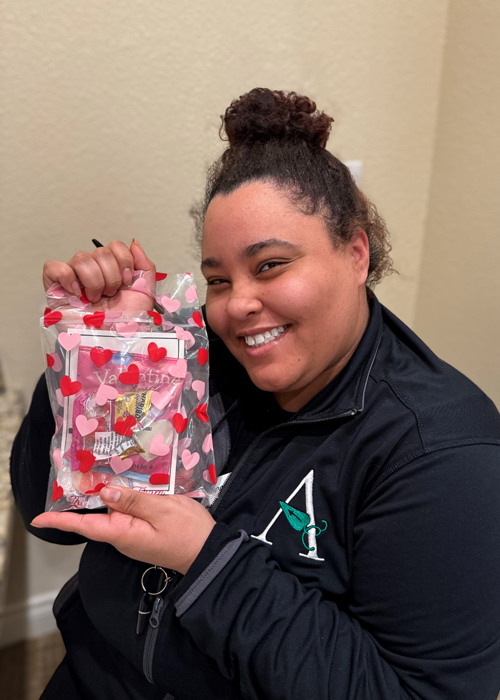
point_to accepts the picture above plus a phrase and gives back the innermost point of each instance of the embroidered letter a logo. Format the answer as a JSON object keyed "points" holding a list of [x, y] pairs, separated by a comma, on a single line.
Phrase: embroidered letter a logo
{"points": [[303, 522]]}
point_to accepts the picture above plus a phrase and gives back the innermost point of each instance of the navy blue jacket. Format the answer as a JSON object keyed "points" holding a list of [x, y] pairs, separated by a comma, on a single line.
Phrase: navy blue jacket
{"points": [[357, 546]]}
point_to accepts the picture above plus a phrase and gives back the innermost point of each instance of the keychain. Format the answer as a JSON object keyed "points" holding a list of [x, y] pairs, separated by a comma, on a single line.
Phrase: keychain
{"points": [[148, 598]]}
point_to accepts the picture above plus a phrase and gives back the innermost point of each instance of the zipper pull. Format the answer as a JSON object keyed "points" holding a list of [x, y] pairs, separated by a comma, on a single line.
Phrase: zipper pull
{"points": [[154, 619]]}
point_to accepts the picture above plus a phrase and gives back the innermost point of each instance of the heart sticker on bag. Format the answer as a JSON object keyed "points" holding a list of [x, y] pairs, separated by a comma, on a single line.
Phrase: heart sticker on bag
{"points": [[86, 426], [201, 412], [68, 388], [158, 446], [125, 426], [69, 342], [179, 423], [156, 317], [50, 318], [208, 444], [86, 460], [100, 356], [199, 387], [190, 294], [57, 491], [127, 330], [155, 353], [105, 393], [189, 459], [171, 305], [159, 479], [119, 465], [131, 376], [94, 320]]}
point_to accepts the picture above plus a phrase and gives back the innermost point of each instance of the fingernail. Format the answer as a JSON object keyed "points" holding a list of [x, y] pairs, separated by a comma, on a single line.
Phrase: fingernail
{"points": [[110, 494], [76, 289], [137, 243], [33, 524], [127, 276]]}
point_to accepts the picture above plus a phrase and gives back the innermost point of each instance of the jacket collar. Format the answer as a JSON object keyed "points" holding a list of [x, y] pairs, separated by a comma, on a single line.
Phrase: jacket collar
{"points": [[344, 395]]}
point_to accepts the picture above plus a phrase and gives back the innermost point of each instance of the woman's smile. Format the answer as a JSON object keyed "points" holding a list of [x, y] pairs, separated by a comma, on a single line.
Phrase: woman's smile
{"points": [[289, 305]]}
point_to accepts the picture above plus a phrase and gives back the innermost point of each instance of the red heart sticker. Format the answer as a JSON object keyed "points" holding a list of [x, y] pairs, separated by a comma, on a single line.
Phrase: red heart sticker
{"points": [[131, 376], [197, 318], [68, 388], [201, 412], [160, 276], [156, 317], [100, 357], [94, 320], [202, 356], [156, 353], [51, 317], [179, 423], [83, 297], [98, 488], [212, 473], [159, 478], [86, 460], [125, 426], [57, 491], [50, 360]]}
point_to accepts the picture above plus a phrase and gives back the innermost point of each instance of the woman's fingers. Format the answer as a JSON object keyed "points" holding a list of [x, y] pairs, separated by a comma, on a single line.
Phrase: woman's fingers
{"points": [[124, 259], [62, 273]]}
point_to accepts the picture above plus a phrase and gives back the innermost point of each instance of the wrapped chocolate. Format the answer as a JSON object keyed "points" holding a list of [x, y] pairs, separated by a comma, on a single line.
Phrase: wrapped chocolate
{"points": [[129, 397]]}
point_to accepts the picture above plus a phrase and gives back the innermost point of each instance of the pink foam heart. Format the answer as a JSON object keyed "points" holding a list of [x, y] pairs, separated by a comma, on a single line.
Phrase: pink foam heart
{"points": [[127, 330], [86, 425], [208, 444], [56, 456], [160, 399], [158, 446], [112, 315], [183, 444], [105, 393], [171, 305], [140, 285], [188, 380], [77, 303], [179, 369], [191, 294], [56, 291], [119, 465], [57, 364], [167, 326], [185, 335], [199, 387], [59, 397], [69, 342], [189, 459]]}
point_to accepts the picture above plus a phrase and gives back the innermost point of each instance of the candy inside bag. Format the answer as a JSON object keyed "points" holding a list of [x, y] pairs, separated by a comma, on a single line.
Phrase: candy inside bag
{"points": [[129, 396]]}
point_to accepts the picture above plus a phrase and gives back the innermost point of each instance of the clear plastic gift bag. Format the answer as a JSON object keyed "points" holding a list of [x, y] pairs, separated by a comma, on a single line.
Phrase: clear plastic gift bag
{"points": [[129, 394]]}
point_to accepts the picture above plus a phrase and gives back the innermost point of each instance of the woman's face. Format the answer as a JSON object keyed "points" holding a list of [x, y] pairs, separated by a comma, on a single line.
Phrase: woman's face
{"points": [[289, 306]]}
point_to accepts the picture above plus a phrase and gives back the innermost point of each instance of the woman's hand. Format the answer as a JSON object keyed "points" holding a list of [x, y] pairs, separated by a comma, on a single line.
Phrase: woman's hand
{"points": [[165, 530], [101, 273]]}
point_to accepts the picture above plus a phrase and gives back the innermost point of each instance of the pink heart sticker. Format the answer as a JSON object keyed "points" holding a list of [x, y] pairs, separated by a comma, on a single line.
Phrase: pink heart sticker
{"points": [[179, 369], [158, 446], [167, 326], [199, 387], [69, 342], [127, 330], [208, 444], [119, 465], [171, 305], [105, 393], [56, 291], [140, 285], [191, 294], [185, 335], [77, 303], [57, 364], [56, 456], [86, 425], [112, 315], [189, 460], [160, 399]]}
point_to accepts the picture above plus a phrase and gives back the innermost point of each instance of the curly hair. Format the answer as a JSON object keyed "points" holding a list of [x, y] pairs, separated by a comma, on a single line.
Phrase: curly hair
{"points": [[280, 137]]}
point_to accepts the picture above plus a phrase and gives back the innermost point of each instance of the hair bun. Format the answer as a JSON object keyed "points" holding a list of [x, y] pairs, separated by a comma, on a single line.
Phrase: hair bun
{"points": [[263, 115]]}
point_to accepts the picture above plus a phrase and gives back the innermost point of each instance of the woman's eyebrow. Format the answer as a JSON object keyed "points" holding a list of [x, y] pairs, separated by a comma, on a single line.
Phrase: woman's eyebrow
{"points": [[251, 250]]}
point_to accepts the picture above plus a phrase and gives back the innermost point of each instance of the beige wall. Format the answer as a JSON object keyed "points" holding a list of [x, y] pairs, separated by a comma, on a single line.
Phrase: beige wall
{"points": [[109, 116], [459, 294]]}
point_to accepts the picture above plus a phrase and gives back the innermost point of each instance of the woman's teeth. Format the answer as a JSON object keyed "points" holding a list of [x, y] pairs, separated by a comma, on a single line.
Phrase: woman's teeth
{"points": [[264, 338]]}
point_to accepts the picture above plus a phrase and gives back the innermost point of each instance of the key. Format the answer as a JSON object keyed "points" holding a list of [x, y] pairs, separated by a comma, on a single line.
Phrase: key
{"points": [[145, 607]]}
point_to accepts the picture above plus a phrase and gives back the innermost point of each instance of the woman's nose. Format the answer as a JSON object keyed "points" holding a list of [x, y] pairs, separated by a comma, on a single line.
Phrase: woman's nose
{"points": [[242, 303]]}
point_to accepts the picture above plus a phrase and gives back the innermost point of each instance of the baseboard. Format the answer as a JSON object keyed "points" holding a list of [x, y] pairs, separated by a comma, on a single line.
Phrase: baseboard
{"points": [[27, 619]]}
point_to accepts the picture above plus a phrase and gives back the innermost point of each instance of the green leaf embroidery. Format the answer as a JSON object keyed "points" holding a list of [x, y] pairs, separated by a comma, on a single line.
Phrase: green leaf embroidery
{"points": [[297, 519]]}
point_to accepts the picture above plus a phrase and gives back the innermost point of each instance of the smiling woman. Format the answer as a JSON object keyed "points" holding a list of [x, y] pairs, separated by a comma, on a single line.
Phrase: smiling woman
{"points": [[352, 551]]}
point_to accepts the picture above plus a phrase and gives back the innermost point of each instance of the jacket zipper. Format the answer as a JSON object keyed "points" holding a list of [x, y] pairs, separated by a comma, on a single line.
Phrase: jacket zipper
{"points": [[153, 629]]}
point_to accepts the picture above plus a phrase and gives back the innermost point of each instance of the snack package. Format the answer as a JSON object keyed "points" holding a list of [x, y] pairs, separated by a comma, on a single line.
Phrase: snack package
{"points": [[129, 394]]}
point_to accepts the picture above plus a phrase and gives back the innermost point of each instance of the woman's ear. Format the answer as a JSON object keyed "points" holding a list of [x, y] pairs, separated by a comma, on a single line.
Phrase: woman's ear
{"points": [[360, 251]]}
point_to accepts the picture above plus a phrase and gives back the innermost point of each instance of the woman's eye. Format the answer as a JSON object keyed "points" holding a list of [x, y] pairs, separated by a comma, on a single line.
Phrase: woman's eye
{"points": [[216, 281], [269, 265]]}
